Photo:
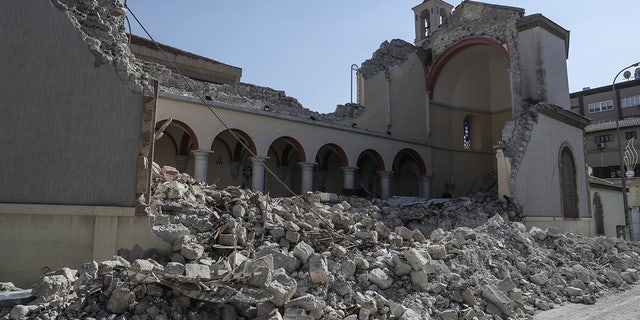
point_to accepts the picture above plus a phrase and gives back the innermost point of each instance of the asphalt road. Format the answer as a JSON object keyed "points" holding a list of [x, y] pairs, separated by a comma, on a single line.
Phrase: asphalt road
{"points": [[617, 306]]}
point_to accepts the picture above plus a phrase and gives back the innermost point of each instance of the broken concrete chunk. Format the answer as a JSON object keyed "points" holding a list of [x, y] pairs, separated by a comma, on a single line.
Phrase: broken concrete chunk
{"points": [[416, 259], [497, 298], [191, 251], [197, 271], [174, 268], [380, 278], [303, 251], [282, 287], [120, 300], [437, 252], [318, 269], [280, 260], [19, 312]]}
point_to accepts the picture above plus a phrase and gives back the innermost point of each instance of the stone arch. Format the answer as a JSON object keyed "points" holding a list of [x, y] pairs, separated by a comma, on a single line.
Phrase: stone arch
{"points": [[408, 169], [284, 155], [329, 176], [568, 182], [236, 164], [445, 57], [168, 151], [369, 164]]}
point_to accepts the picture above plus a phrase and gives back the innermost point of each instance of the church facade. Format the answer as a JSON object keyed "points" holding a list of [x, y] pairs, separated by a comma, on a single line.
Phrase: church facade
{"points": [[479, 100]]}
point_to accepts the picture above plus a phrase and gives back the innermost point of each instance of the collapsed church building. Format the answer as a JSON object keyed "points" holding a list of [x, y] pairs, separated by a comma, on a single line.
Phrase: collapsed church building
{"points": [[479, 101]]}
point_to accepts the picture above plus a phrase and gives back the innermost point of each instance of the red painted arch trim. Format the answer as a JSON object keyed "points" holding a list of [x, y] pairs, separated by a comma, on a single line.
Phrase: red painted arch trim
{"points": [[237, 152], [376, 157], [344, 161], [416, 157], [450, 52], [183, 150]]}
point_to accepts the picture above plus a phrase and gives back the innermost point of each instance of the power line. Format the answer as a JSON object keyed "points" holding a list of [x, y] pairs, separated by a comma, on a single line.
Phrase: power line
{"points": [[233, 134]]}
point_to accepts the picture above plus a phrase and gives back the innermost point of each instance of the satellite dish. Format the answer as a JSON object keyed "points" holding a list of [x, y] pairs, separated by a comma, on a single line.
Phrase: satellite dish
{"points": [[627, 74]]}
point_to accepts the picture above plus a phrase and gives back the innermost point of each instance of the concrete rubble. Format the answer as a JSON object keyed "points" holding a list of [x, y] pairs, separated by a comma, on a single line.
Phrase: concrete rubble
{"points": [[238, 254]]}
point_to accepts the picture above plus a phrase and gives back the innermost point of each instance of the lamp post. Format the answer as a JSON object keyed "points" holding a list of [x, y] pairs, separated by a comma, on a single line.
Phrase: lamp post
{"points": [[623, 178]]}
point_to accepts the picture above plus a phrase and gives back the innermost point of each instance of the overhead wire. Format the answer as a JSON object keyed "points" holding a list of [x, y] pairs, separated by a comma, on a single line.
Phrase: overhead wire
{"points": [[233, 134]]}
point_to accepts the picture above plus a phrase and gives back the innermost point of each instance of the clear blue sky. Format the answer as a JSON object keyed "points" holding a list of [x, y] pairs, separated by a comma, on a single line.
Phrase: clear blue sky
{"points": [[306, 48]]}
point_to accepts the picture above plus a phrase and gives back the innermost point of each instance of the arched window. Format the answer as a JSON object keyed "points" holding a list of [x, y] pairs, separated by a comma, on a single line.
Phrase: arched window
{"points": [[568, 184], [466, 125]]}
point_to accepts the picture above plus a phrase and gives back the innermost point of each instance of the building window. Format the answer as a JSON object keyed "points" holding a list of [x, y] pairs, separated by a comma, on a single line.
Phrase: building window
{"points": [[568, 185], [629, 135], [600, 106], [467, 134], [630, 102], [604, 138]]}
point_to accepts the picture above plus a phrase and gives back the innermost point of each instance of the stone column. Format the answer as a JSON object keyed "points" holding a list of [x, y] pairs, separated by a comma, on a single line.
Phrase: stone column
{"points": [[200, 164], [181, 163], [385, 178], [307, 176], [349, 177], [257, 173], [425, 185]]}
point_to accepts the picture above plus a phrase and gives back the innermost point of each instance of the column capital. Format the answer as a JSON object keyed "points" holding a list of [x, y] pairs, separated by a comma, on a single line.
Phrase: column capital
{"points": [[349, 170], [307, 165], [201, 152], [384, 174], [258, 160]]}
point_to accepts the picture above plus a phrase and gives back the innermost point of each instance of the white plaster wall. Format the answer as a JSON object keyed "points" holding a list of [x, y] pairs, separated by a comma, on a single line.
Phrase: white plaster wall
{"points": [[527, 51], [538, 182], [70, 127], [555, 66], [543, 61], [612, 208], [408, 113]]}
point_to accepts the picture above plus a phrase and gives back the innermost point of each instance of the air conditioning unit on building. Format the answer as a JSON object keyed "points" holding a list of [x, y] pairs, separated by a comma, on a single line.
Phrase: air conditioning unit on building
{"points": [[601, 145]]}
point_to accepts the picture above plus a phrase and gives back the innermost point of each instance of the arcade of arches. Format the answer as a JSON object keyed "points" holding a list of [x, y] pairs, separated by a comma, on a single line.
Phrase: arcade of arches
{"points": [[233, 158]]}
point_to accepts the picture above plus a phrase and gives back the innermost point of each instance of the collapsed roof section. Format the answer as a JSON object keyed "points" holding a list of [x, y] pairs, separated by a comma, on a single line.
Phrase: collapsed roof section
{"points": [[101, 24]]}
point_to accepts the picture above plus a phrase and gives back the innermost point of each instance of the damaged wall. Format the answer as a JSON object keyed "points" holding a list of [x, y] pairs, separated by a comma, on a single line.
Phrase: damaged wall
{"points": [[63, 99]]}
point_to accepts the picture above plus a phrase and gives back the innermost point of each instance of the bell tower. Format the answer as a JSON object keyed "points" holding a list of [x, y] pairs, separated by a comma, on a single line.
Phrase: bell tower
{"points": [[429, 15]]}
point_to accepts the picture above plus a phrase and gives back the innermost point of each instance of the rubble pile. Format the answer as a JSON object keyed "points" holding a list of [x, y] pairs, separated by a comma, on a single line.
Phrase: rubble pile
{"points": [[240, 254]]}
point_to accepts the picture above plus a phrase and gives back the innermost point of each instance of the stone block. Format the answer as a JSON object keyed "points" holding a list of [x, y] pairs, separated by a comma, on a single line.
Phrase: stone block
{"points": [[367, 236], [540, 278], [573, 291], [238, 211], [497, 298], [318, 269], [400, 266], [174, 268], [380, 278], [281, 260], [416, 258], [197, 271], [303, 251], [227, 239], [420, 280], [404, 232], [191, 251], [361, 263], [260, 277], [437, 252], [292, 236], [306, 302], [282, 287], [120, 300]]}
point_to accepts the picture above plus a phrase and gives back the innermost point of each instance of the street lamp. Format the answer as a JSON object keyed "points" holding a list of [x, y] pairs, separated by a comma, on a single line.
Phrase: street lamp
{"points": [[623, 178]]}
